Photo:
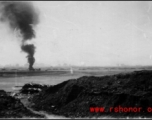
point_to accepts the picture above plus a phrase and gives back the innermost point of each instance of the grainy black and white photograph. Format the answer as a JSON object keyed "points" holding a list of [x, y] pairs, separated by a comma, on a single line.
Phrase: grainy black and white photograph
{"points": [[75, 59]]}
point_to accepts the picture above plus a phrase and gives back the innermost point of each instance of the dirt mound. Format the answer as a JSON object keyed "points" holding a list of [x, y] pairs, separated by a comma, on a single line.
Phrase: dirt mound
{"points": [[32, 88], [74, 98], [11, 107]]}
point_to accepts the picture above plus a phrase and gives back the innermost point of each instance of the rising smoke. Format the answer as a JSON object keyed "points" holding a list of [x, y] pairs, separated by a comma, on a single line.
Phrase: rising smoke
{"points": [[21, 16]]}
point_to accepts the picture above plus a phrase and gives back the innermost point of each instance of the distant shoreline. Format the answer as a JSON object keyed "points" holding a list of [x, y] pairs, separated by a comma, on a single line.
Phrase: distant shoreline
{"points": [[29, 73]]}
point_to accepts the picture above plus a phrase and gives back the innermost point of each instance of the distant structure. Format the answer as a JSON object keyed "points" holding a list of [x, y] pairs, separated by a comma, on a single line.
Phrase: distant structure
{"points": [[71, 70], [3, 69], [39, 69]]}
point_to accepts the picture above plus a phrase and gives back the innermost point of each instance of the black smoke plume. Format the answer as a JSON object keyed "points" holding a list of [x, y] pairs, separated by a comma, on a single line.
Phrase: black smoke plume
{"points": [[21, 16], [30, 49]]}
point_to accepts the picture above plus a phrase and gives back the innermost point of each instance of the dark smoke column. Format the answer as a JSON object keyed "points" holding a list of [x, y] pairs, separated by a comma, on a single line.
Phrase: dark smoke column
{"points": [[30, 49], [23, 17]]}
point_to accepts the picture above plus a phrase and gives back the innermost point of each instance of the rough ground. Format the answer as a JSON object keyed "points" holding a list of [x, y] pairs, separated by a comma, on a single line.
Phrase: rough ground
{"points": [[11, 107], [73, 98]]}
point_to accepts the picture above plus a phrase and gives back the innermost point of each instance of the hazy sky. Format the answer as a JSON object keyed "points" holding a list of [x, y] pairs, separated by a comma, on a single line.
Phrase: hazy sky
{"points": [[97, 33]]}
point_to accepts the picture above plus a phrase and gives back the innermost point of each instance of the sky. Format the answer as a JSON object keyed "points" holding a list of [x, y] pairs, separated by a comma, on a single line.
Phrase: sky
{"points": [[85, 33]]}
